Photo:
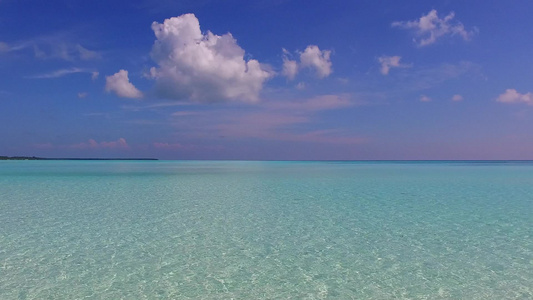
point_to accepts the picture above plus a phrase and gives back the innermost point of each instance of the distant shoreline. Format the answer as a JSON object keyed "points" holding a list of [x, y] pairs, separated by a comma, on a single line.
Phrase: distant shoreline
{"points": [[43, 158], [476, 161]]}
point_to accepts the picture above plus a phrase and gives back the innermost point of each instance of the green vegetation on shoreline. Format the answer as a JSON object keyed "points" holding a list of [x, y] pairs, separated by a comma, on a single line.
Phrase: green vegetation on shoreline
{"points": [[20, 158]]}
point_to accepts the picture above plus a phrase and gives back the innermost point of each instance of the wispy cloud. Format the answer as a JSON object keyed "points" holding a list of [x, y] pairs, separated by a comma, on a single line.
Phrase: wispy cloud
{"points": [[318, 103], [4, 47], [59, 45], [170, 146], [98, 114], [270, 120], [457, 98], [430, 27], [60, 73], [44, 146], [424, 98], [90, 144], [156, 105], [86, 54], [431, 76], [184, 113]]}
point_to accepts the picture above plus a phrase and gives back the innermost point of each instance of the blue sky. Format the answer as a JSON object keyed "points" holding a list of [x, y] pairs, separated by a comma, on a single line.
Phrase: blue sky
{"points": [[267, 79]]}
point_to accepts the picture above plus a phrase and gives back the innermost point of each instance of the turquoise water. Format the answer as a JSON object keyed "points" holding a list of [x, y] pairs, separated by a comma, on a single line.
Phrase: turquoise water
{"points": [[265, 230]]}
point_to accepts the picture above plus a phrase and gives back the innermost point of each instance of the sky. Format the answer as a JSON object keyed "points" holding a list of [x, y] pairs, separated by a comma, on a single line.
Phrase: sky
{"points": [[267, 80]]}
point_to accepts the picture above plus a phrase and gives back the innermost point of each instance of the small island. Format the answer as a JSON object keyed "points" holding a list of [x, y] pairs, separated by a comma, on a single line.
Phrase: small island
{"points": [[20, 158]]}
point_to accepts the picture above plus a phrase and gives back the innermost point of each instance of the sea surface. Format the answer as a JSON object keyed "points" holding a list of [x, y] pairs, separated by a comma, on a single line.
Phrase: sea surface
{"points": [[266, 230]]}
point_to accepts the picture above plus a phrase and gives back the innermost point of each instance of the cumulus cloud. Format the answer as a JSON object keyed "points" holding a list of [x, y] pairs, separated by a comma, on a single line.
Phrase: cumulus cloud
{"points": [[389, 62], [430, 27], [121, 85], [203, 67], [314, 58], [512, 96], [424, 98], [457, 97]]}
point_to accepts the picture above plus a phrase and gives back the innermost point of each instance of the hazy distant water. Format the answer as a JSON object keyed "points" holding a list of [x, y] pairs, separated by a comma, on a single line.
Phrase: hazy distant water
{"points": [[265, 230]]}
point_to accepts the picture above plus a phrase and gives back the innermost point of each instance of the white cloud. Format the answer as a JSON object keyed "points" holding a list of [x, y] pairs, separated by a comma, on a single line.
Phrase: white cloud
{"points": [[312, 58], [290, 67], [4, 47], [38, 52], [119, 144], [121, 85], [59, 73], [278, 119], [425, 98], [430, 27], [512, 96], [169, 146], [301, 86], [184, 113], [316, 59], [56, 49], [389, 62], [92, 144], [317, 103], [203, 67], [94, 75], [86, 54], [424, 78], [82, 95], [343, 80], [457, 97], [60, 45]]}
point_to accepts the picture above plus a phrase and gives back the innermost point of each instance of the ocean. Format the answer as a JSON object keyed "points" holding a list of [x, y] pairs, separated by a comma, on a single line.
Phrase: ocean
{"points": [[266, 230]]}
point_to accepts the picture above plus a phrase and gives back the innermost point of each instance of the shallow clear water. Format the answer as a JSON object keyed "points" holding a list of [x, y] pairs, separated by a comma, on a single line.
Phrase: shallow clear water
{"points": [[265, 230]]}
